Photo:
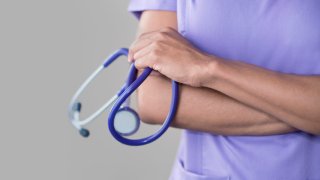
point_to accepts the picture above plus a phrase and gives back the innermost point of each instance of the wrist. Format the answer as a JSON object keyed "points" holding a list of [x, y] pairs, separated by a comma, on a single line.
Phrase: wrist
{"points": [[211, 71]]}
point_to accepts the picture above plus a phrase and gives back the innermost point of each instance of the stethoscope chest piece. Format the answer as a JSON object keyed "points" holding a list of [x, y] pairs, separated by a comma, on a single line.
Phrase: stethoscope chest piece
{"points": [[126, 121]]}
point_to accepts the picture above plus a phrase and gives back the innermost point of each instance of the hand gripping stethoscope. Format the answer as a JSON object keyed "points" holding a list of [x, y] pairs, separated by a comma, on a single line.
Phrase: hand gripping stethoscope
{"points": [[122, 120]]}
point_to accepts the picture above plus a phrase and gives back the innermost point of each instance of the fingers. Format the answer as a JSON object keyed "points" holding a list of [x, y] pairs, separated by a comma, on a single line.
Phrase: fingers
{"points": [[142, 41], [146, 39], [150, 56], [136, 47], [146, 61], [149, 48], [143, 51]]}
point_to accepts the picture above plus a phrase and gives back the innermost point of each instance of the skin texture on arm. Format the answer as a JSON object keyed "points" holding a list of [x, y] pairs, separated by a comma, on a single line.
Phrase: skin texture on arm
{"points": [[200, 108]]}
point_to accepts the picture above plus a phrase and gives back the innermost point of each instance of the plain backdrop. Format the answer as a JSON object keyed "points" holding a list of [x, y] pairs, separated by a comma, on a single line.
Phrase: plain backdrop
{"points": [[48, 48]]}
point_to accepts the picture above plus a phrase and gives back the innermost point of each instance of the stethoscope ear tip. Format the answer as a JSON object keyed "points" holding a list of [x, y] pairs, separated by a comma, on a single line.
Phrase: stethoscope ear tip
{"points": [[77, 107], [84, 132]]}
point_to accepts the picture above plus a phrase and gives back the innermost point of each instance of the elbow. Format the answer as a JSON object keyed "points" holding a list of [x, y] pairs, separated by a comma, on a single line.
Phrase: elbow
{"points": [[151, 108], [154, 99], [151, 111], [145, 114]]}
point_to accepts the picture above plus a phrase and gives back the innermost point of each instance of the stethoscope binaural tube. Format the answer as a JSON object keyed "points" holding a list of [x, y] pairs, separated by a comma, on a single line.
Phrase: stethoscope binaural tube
{"points": [[122, 98], [75, 106]]}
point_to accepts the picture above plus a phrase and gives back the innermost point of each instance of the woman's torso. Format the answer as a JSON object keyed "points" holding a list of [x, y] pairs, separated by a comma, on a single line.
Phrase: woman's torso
{"points": [[278, 35]]}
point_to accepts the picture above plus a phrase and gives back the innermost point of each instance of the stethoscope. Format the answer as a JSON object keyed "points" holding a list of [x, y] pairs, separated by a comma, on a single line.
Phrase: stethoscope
{"points": [[123, 120]]}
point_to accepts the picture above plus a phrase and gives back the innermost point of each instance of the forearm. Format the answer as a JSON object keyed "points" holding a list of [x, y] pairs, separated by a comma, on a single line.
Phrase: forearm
{"points": [[291, 98], [199, 108], [203, 109]]}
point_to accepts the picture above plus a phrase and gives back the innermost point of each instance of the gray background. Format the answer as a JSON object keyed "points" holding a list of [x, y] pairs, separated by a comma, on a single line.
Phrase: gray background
{"points": [[47, 49]]}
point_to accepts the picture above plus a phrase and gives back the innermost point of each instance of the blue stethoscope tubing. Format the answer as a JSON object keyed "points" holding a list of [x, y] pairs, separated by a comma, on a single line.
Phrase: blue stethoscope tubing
{"points": [[120, 98], [125, 95]]}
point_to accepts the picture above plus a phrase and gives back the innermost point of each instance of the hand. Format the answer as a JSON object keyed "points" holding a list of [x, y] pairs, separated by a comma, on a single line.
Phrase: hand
{"points": [[167, 52]]}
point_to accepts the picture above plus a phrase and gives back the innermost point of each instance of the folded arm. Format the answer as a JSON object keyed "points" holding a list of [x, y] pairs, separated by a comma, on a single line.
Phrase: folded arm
{"points": [[294, 99], [199, 108]]}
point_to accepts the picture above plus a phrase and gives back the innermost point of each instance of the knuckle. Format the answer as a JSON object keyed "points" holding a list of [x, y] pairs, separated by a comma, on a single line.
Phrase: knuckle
{"points": [[134, 56], [154, 55], [156, 67], [131, 51], [161, 35], [157, 52], [138, 64], [166, 29], [157, 44], [142, 35]]}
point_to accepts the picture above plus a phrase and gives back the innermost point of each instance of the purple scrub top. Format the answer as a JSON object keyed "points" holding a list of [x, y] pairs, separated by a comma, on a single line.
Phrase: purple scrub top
{"points": [[282, 36]]}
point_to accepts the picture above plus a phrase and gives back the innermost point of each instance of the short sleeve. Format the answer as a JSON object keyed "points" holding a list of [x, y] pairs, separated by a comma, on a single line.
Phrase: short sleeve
{"points": [[138, 6]]}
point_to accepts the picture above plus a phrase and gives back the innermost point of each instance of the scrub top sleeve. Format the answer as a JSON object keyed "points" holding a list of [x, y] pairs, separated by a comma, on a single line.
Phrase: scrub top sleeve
{"points": [[138, 6]]}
